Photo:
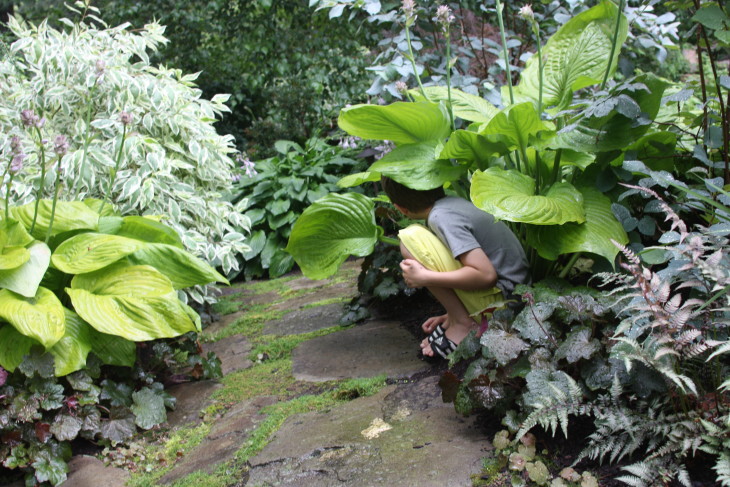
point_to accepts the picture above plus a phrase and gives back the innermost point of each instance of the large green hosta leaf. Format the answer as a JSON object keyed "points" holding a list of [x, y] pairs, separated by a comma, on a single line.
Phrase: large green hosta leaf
{"points": [[516, 125], [71, 350], [112, 349], [136, 302], [26, 278], [13, 240], [88, 252], [403, 123], [575, 56], [140, 228], [473, 147], [593, 236], [330, 230], [417, 166], [13, 346], [182, 268], [41, 317], [510, 195], [69, 215], [468, 107]]}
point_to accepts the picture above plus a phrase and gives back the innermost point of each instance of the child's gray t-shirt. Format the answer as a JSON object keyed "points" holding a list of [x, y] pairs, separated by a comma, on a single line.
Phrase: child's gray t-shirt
{"points": [[464, 227]]}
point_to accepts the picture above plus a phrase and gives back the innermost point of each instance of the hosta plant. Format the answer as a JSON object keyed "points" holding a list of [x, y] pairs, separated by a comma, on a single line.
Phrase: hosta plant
{"points": [[167, 159], [534, 162], [275, 191]]}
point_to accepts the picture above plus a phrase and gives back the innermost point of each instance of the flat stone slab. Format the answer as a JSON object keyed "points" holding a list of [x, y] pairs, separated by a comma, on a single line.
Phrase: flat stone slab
{"points": [[224, 440], [358, 444], [190, 399], [306, 320], [377, 347], [232, 351], [86, 471]]}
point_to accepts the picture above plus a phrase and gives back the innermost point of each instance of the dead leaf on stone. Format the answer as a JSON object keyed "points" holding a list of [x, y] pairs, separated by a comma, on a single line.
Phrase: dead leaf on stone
{"points": [[377, 427]]}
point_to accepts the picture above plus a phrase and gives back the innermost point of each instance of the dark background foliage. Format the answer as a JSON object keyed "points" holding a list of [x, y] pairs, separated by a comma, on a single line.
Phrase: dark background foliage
{"points": [[280, 86]]}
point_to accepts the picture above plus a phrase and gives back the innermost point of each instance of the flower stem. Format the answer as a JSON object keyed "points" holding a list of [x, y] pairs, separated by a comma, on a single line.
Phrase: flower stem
{"points": [[500, 7], [412, 59], [55, 199], [614, 39], [540, 67], [43, 179], [116, 166], [87, 141], [7, 197], [448, 76]]}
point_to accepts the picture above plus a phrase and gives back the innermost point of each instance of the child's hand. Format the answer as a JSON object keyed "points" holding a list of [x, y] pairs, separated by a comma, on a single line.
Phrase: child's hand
{"points": [[413, 272], [430, 324]]}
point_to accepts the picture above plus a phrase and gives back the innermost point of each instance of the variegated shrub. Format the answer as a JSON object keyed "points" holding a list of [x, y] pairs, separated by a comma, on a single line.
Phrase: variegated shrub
{"points": [[172, 162]]}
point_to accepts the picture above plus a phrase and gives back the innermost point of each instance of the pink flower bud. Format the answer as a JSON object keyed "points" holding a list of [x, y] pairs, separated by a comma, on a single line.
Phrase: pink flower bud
{"points": [[125, 118], [60, 145]]}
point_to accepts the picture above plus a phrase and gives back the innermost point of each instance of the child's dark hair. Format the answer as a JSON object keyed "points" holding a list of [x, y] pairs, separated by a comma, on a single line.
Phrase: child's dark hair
{"points": [[411, 199]]}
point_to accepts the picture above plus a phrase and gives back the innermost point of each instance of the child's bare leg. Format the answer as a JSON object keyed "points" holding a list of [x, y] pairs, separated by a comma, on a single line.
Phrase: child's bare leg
{"points": [[459, 322], [456, 322]]}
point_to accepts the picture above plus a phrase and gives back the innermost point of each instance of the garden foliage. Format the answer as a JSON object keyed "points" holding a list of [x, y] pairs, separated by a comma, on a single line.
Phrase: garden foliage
{"points": [[266, 54], [278, 189], [81, 278], [170, 161]]}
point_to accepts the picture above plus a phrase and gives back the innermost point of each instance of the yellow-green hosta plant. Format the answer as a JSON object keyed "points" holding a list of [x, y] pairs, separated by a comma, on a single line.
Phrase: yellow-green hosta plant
{"points": [[139, 136], [99, 283], [534, 162]]}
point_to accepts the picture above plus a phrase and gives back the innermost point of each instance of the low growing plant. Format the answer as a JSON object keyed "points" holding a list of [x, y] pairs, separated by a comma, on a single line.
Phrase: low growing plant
{"points": [[274, 192]]}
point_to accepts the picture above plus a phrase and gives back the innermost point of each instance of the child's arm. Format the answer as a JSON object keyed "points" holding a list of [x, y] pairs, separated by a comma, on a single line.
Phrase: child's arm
{"points": [[477, 273]]}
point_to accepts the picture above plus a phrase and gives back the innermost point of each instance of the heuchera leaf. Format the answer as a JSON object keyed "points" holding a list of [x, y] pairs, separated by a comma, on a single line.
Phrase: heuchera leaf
{"points": [[502, 346], [533, 323], [510, 195], [148, 408], [577, 345], [119, 427], [66, 427], [330, 230], [400, 122]]}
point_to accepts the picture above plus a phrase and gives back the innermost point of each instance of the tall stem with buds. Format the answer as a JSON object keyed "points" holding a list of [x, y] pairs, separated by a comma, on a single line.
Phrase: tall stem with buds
{"points": [[409, 9], [126, 119], [60, 147], [444, 18], [500, 8]]}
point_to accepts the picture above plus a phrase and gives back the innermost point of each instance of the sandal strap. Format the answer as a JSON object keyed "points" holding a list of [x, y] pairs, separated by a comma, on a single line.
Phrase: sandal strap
{"points": [[437, 332], [443, 346]]}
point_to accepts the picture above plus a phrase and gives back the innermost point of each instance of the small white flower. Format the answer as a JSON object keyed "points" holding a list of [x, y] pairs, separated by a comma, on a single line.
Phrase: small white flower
{"points": [[526, 12]]}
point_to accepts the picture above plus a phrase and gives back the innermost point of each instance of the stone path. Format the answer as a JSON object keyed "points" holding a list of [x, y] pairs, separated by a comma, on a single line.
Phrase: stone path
{"points": [[402, 436]]}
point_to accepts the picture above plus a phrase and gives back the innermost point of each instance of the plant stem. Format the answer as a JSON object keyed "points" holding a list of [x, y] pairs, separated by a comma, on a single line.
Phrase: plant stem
{"points": [[500, 7], [116, 166], [573, 259], [87, 141], [55, 199], [614, 39], [7, 197], [43, 179], [412, 58], [536, 30], [389, 240], [447, 37]]}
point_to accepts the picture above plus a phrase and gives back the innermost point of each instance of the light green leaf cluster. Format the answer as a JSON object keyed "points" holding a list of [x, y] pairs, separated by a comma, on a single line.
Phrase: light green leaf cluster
{"points": [[171, 163]]}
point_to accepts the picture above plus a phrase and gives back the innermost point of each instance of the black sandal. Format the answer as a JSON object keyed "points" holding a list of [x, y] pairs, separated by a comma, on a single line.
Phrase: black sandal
{"points": [[443, 346], [436, 333]]}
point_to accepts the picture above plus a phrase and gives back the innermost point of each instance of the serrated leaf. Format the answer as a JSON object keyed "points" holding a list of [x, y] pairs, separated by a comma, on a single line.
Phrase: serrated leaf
{"points": [[117, 393], [120, 427], [577, 345], [49, 467], [502, 346], [66, 427], [148, 408], [534, 324]]}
